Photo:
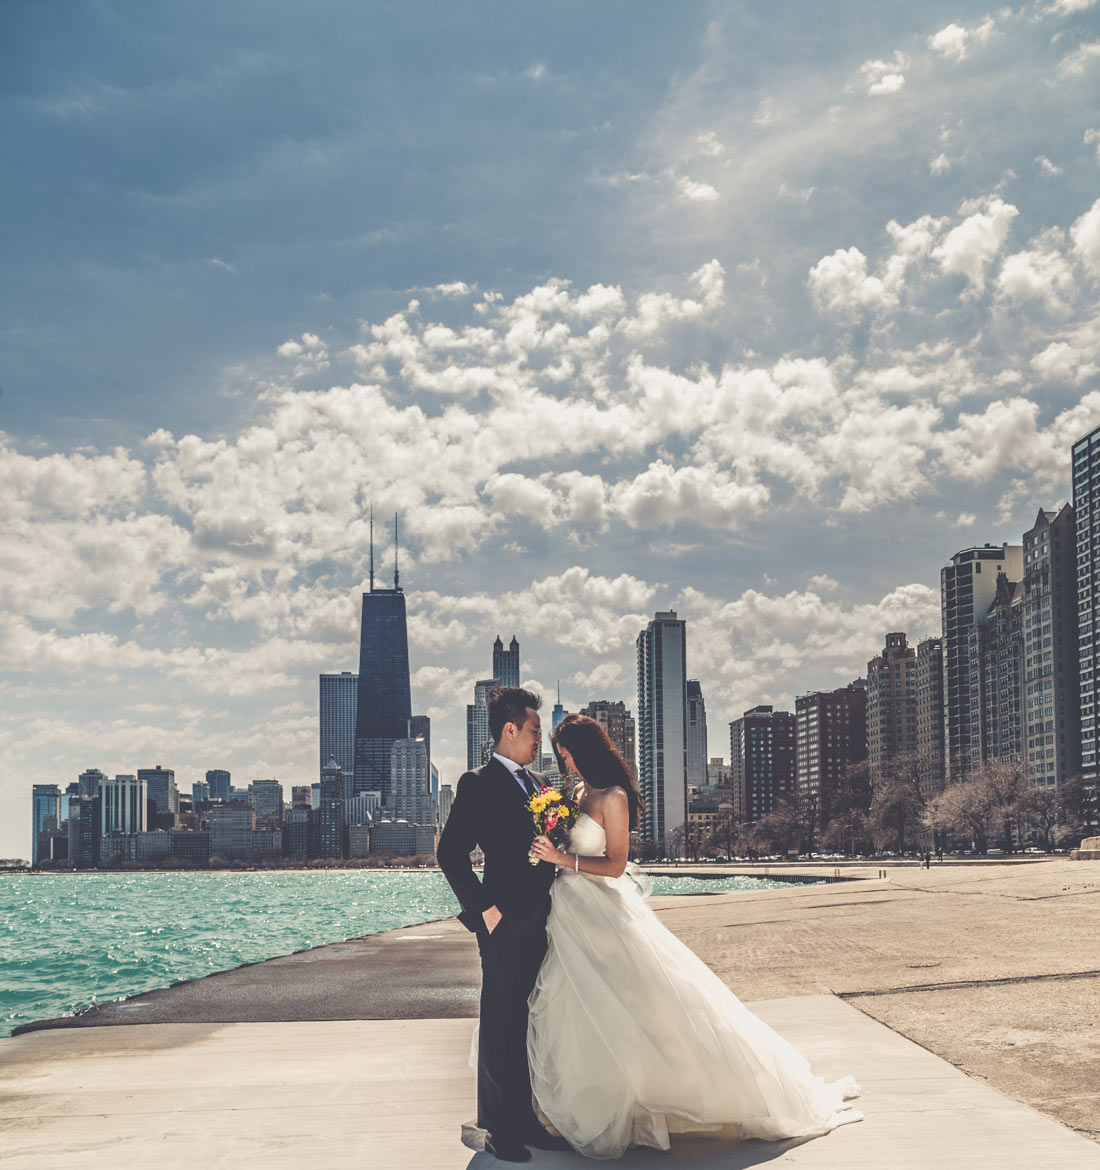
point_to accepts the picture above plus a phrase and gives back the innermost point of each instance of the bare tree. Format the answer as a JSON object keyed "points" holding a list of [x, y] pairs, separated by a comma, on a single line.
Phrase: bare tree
{"points": [[781, 830]]}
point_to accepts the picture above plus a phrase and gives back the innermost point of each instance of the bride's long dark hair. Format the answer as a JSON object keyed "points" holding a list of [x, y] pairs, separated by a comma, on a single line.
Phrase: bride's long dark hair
{"points": [[597, 759]]}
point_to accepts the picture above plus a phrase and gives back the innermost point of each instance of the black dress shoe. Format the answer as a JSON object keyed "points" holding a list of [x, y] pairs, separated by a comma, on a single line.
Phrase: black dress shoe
{"points": [[541, 1139], [507, 1151]]}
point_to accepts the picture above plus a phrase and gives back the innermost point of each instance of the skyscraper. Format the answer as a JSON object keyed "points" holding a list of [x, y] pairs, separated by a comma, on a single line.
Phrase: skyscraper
{"points": [[762, 761], [930, 705], [559, 712], [662, 725], [1051, 701], [479, 742], [266, 797], [1086, 507], [338, 710], [89, 781], [420, 727], [506, 662], [122, 805], [618, 722], [332, 831], [384, 700], [831, 735], [412, 800], [891, 703], [45, 815], [996, 668], [696, 736], [219, 781], [160, 785], [967, 588]]}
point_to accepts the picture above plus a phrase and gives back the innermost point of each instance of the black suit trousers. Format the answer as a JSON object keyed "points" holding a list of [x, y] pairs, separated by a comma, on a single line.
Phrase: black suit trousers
{"points": [[509, 965]]}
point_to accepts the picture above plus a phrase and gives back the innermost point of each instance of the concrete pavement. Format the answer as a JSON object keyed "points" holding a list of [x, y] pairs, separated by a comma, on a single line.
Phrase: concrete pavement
{"points": [[391, 1095]]}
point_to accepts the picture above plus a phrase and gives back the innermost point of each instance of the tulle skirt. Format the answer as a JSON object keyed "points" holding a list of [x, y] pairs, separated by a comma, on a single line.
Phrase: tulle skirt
{"points": [[632, 1036]]}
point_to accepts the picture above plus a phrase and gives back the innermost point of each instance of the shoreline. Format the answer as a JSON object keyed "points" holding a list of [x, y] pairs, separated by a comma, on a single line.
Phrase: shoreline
{"points": [[994, 968], [92, 1008]]}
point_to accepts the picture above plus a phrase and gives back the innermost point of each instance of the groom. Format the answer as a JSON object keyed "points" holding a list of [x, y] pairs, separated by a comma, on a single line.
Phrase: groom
{"points": [[507, 911]]}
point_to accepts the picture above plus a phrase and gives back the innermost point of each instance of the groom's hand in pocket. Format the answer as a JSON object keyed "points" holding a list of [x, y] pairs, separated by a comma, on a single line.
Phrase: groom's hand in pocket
{"points": [[492, 918]]}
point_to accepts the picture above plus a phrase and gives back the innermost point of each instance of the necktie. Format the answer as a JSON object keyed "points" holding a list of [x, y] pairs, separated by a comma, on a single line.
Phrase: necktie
{"points": [[525, 778]]}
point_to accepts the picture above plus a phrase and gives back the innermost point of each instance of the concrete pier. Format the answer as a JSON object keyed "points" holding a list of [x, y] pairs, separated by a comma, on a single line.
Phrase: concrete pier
{"points": [[963, 1000]]}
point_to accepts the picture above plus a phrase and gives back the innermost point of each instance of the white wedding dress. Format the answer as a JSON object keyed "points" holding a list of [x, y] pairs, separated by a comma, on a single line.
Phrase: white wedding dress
{"points": [[632, 1036]]}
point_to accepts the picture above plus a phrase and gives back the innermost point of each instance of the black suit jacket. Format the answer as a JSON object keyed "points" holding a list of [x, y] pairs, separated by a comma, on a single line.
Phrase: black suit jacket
{"points": [[490, 810]]}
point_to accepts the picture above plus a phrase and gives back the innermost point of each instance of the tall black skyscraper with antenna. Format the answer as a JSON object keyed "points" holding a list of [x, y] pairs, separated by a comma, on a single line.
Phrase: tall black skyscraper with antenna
{"points": [[385, 701]]}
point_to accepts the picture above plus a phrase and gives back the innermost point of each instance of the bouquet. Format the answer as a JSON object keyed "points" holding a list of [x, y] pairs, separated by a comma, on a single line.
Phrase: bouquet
{"points": [[552, 815]]}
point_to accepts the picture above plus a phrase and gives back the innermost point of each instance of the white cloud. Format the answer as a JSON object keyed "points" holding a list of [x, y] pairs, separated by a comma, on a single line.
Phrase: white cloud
{"points": [[1086, 239], [969, 249], [882, 77], [1041, 273], [1046, 167], [1083, 58], [695, 191], [940, 165], [840, 283], [1092, 137], [955, 42]]}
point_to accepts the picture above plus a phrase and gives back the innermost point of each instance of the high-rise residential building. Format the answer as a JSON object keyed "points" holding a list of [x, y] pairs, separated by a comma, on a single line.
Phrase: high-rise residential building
{"points": [[1086, 509], [296, 831], [160, 786], [615, 718], [338, 710], [266, 797], [506, 662], [45, 817], [830, 736], [384, 699], [330, 815], [696, 736], [412, 798], [479, 742], [662, 725], [231, 826], [300, 796], [891, 703], [930, 706], [122, 805], [967, 588], [446, 796], [995, 654], [220, 782], [1051, 703], [762, 761], [84, 831]]}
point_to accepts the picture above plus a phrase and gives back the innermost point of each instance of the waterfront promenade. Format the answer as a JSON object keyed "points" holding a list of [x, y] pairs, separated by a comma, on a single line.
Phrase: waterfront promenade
{"points": [[963, 999]]}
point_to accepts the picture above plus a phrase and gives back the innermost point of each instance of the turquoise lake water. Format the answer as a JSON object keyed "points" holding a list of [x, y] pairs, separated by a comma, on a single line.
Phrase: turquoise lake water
{"points": [[69, 941]]}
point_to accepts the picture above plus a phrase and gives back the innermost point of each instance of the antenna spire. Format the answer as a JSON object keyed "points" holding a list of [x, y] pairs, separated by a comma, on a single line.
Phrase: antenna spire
{"points": [[372, 546], [396, 575]]}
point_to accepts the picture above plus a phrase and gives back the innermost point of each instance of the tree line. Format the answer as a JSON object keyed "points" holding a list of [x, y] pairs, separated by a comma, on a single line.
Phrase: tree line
{"points": [[910, 807]]}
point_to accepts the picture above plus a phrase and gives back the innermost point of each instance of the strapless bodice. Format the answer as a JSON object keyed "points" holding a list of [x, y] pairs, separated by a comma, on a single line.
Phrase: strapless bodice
{"points": [[587, 837]]}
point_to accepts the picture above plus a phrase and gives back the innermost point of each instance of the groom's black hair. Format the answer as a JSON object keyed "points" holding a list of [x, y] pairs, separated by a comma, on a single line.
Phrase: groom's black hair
{"points": [[509, 705]]}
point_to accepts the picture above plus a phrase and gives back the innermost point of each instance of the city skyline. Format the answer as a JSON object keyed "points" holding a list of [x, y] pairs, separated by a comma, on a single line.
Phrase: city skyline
{"points": [[758, 316]]}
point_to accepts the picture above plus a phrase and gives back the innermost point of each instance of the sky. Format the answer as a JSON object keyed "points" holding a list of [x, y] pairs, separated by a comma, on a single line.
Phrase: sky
{"points": [[754, 311]]}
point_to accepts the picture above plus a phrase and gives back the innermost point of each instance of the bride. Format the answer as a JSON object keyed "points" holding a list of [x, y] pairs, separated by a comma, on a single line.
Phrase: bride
{"points": [[631, 1036]]}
